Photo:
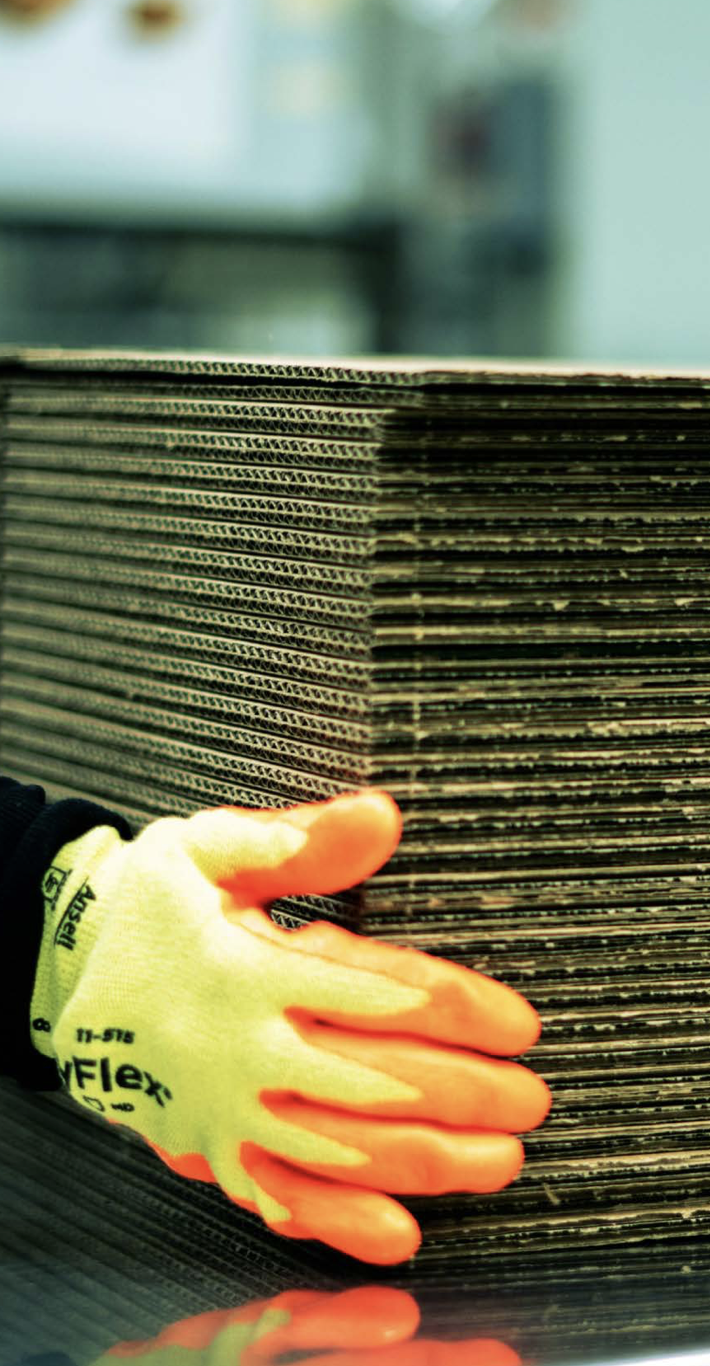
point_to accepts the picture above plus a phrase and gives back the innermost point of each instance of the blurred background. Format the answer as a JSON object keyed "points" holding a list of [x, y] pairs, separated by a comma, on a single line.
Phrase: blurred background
{"points": [[460, 177]]}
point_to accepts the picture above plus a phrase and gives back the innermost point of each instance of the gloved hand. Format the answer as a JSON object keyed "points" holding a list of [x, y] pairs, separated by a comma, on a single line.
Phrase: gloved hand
{"points": [[370, 1325], [307, 1072]]}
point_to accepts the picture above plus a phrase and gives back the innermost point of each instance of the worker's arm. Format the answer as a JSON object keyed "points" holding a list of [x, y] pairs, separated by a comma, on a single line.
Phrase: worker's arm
{"points": [[31, 832]]}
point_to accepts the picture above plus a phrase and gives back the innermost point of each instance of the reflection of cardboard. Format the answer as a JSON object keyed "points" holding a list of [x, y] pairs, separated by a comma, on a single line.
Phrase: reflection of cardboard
{"points": [[32, 9]]}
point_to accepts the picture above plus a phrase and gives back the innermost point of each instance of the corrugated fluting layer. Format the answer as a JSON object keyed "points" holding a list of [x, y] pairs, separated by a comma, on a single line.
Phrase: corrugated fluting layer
{"points": [[485, 589]]}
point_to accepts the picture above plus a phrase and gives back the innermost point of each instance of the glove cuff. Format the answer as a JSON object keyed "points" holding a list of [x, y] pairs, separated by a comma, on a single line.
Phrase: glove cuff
{"points": [[73, 914]]}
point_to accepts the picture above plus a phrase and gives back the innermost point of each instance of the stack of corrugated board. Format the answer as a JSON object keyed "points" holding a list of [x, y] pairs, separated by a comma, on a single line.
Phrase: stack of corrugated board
{"points": [[483, 587]]}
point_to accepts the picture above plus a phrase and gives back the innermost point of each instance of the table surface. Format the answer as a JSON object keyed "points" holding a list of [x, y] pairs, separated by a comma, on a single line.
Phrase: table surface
{"points": [[100, 1245]]}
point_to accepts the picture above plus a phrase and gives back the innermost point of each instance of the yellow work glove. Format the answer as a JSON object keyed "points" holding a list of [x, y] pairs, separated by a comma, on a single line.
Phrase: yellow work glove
{"points": [[307, 1072]]}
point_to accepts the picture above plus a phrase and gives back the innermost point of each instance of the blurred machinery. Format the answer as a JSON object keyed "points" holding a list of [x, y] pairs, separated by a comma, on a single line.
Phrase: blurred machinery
{"points": [[302, 175]]}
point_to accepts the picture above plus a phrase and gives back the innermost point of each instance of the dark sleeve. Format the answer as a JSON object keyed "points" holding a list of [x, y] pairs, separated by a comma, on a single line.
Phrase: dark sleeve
{"points": [[31, 833]]}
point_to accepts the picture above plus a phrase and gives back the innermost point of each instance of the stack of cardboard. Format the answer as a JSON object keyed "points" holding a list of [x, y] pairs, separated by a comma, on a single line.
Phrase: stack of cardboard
{"points": [[483, 588]]}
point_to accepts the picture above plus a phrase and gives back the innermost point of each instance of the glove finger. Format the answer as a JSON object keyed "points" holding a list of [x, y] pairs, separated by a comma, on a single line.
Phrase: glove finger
{"points": [[344, 841], [463, 1008], [368, 1316], [362, 1223], [456, 1087], [407, 1157]]}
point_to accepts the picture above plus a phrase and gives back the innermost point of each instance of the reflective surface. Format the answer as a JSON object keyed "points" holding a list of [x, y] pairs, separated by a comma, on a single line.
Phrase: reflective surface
{"points": [[103, 1250]]}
